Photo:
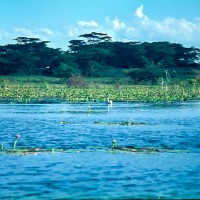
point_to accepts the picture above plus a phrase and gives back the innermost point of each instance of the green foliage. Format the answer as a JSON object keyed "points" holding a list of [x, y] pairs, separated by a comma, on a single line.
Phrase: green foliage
{"points": [[96, 38], [95, 53], [160, 53], [151, 72], [29, 56], [197, 76], [126, 55], [95, 69], [65, 70], [78, 89]]}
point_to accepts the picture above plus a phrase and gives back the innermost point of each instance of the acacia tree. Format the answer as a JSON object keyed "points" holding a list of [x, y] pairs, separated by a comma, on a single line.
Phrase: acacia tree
{"points": [[125, 54], [76, 46], [28, 56], [90, 55], [95, 38], [161, 53]]}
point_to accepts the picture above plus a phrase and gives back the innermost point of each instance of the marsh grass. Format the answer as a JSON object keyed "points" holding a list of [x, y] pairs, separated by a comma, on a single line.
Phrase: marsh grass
{"points": [[45, 89]]}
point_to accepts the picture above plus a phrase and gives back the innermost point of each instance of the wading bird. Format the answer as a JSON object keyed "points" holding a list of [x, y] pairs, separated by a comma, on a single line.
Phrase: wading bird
{"points": [[109, 102]]}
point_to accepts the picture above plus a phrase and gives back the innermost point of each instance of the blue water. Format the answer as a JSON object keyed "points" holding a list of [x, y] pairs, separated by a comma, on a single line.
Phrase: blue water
{"points": [[101, 174]]}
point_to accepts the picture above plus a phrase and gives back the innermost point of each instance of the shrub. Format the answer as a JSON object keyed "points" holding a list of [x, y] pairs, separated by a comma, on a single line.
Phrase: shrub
{"points": [[76, 81]]}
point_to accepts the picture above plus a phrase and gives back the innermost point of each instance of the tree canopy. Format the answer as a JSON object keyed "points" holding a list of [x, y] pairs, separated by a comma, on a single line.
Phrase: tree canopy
{"points": [[94, 53]]}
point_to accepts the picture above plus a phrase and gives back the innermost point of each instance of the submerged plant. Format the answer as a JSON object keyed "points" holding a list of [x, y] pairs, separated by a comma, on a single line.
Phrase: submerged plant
{"points": [[16, 139]]}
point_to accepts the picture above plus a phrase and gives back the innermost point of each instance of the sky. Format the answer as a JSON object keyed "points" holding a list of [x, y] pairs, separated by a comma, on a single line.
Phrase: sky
{"points": [[59, 21]]}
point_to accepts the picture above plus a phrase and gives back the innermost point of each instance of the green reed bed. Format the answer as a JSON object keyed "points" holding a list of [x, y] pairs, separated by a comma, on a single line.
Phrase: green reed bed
{"points": [[44, 92]]}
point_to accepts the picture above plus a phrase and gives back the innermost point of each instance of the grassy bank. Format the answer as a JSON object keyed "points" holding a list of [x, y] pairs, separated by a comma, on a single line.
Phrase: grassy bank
{"points": [[36, 89]]}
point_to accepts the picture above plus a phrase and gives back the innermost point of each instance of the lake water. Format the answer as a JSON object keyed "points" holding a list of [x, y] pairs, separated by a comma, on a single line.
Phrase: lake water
{"points": [[88, 169]]}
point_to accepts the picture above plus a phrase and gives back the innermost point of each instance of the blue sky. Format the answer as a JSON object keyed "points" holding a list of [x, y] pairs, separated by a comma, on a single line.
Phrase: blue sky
{"points": [[60, 21]]}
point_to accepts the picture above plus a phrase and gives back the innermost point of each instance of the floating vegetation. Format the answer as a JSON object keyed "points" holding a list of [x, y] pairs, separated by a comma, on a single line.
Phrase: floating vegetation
{"points": [[113, 149], [59, 93], [123, 123], [117, 149], [26, 151], [146, 150], [132, 149], [80, 111]]}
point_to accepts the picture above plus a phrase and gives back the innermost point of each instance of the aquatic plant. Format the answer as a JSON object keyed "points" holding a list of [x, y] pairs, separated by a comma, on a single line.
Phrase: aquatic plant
{"points": [[113, 149], [123, 123], [1, 146], [114, 143], [16, 139], [49, 92], [147, 150]]}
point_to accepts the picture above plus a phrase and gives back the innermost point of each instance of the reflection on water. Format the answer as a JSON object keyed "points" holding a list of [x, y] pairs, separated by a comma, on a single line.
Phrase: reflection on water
{"points": [[101, 174]]}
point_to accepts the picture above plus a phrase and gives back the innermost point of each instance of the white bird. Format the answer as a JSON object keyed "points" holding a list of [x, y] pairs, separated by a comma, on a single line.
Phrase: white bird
{"points": [[109, 101]]}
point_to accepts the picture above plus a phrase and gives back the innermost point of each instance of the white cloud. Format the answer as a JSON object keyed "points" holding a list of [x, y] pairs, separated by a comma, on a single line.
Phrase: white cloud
{"points": [[56, 38], [47, 31], [116, 24], [139, 12], [43, 33], [88, 24], [23, 31], [72, 32], [138, 28], [4, 34], [142, 28], [168, 28]]}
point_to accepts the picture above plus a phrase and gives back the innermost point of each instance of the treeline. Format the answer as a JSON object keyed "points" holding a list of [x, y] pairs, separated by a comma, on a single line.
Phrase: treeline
{"points": [[93, 55]]}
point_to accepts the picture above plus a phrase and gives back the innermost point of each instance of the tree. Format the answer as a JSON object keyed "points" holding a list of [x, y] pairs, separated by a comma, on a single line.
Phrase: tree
{"points": [[161, 53], [28, 56], [90, 54], [95, 38], [76, 45], [152, 72], [125, 55], [65, 70]]}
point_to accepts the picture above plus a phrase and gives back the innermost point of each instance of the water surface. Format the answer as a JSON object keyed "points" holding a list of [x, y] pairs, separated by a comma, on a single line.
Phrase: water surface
{"points": [[101, 174]]}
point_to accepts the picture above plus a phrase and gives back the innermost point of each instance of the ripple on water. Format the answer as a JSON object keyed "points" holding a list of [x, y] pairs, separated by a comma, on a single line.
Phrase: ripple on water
{"points": [[101, 174]]}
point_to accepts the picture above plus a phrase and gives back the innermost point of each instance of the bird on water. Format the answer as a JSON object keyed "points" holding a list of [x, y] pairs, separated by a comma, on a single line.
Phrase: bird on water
{"points": [[109, 101]]}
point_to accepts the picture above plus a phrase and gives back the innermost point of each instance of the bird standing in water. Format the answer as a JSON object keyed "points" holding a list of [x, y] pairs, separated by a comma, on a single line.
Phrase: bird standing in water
{"points": [[109, 101]]}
